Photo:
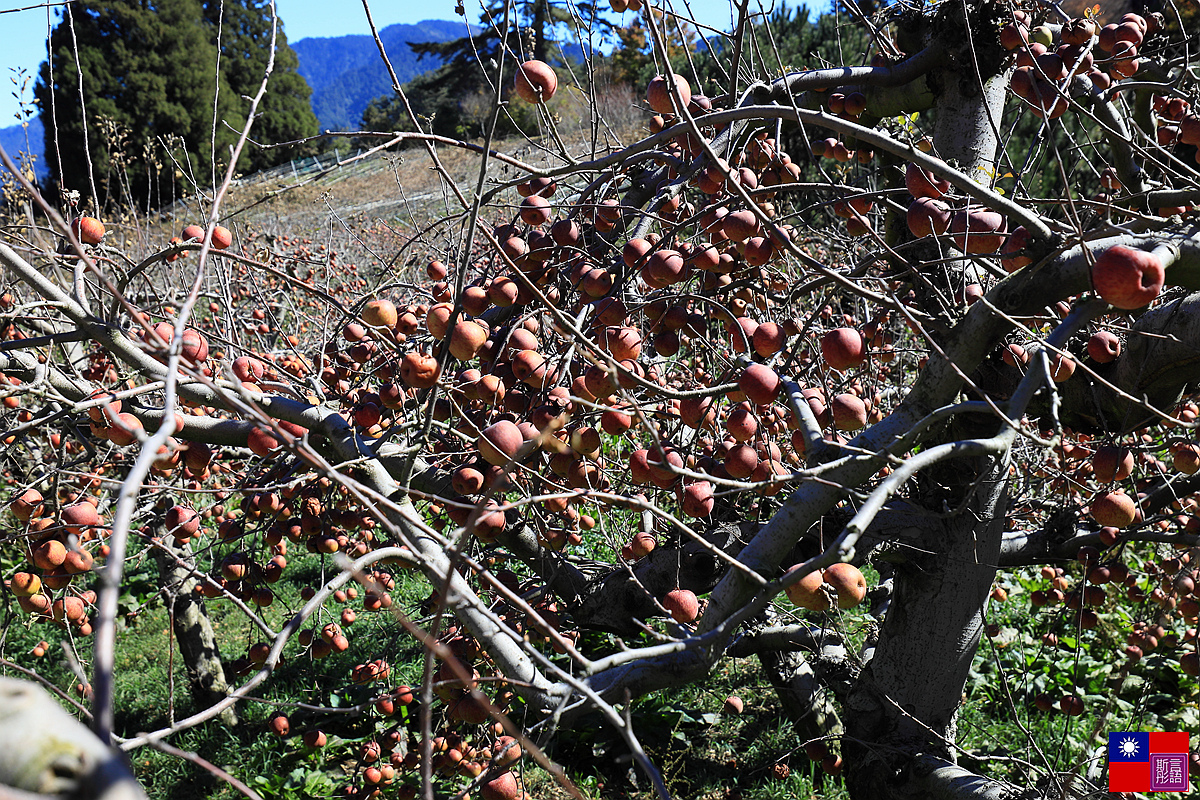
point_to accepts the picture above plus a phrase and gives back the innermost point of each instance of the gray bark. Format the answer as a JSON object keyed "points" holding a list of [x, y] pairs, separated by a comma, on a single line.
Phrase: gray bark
{"points": [[193, 629], [907, 697], [46, 751], [807, 698], [1160, 361]]}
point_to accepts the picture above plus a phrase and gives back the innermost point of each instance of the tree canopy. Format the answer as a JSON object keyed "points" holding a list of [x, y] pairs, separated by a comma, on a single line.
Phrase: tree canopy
{"points": [[145, 80]]}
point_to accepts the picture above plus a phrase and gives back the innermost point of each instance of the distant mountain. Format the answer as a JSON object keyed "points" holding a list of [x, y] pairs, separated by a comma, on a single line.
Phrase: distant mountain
{"points": [[346, 72], [13, 141]]}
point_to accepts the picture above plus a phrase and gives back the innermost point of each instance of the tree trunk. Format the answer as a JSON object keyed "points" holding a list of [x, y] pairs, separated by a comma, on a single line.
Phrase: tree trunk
{"points": [[904, 704], [806, 698], [193, 629]]}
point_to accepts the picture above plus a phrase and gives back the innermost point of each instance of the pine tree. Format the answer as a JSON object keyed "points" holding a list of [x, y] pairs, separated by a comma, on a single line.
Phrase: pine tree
{"points": [[285, 113], [146, 74], [471, 62]]}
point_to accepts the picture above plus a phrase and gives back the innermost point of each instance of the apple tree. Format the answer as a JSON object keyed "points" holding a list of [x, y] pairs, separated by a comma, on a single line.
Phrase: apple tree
{"points": [[927, 314]]}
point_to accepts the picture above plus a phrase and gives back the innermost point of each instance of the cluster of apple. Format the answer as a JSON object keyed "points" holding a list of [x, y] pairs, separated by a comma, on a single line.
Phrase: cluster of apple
{"points": [[1049, 54], [849, 106], [322, 518], [1176, 123], [57, 548], [1164, 585], [974, 229]]}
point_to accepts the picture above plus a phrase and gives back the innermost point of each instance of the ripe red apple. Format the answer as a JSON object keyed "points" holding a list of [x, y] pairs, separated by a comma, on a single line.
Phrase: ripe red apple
{"points": [[49, 555], [760, 384], [1189, 130], [978, 230], [920, 182], [698, 500], [1127, 278], [1104, 347], [843, 348], [1112, 463], [29, 504], [928, 217], [1017, 241], [1078, 31], [1115, 509], [1071, 705], [221, 238], [193, 347], [849, 583], [1185, 458], [682, 604], [535, 81], [535, 210], [466, 338], [420, 370], [1061, 367], [88, 230], [502, 787], [380, 313], [658, 93], [280, 726], [741, 461], [807, 592], [182, 521], [740, 225], [1013, 35], [768, 339], [849, 412], [78, 516], [499, 442]]}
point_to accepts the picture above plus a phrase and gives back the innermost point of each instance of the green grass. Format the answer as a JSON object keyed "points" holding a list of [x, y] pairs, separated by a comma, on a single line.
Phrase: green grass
{"points": [[702, 751]]}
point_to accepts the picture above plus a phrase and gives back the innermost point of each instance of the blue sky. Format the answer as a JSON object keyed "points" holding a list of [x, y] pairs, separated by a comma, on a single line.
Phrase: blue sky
{"points": [[25, 31]]}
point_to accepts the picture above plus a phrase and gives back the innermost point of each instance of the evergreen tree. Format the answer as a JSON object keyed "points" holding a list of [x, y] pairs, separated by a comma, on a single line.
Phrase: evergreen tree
{"points": [[285, 113], [146, 75], [535, 29]]}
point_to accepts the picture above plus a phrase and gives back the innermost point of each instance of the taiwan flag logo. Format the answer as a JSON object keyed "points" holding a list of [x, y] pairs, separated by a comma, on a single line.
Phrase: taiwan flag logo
{"points": [[1148, 762]]}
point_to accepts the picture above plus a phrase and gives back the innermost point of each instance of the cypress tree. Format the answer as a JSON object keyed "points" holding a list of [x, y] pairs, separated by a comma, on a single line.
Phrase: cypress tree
{"points": [[285, 113], [146, 75]]}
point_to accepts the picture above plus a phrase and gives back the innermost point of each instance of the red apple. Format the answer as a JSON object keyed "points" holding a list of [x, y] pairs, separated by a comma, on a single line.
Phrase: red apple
{"points": [[698, 500], [1104, 347], [849, 412], [88, 230], [1017, 241], [221, 238], [807, 592], [1127, 278], [978, 230], [1115, 509], [760, 384], [499, 442], [658, 93], [535, 81], [1112, 463], [849, 583], [843, 348], [920, 182], [682, 604], [928, 217]]}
